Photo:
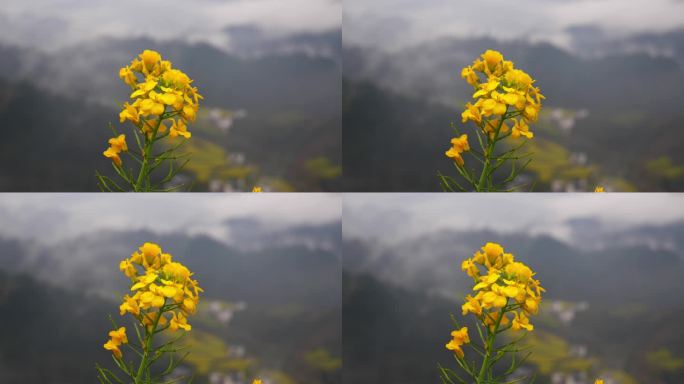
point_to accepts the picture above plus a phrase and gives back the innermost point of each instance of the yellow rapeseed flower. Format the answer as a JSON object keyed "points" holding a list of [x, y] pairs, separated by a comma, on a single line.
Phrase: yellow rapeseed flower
{"points": [[178, 320], [458, 338], [520, 128], [520, 320], [110, 346], [119, 143], [458, 146], [116, 146], [130, 112], [113, 155], [256, 189], [472, 305], [129, 305], [599, 189], [178, 128], [117, 338], [469, 267]]}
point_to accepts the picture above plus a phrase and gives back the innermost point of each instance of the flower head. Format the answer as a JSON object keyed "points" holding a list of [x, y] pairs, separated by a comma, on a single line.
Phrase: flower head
{"points": [[159, 92], [501, 282], [161, 287], [501, 91]]}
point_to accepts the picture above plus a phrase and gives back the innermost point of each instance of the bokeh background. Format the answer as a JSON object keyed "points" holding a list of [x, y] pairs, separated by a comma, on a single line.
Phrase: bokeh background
{"points": [[611, 264], [269, 71], [270, 266], [612, 72]]}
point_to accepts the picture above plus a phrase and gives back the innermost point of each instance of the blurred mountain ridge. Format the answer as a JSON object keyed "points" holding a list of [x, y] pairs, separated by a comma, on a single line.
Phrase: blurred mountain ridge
{"points": [[90, 263], [611, 307], [265, 310], [403, 102], [77, 92], [623, 257]]}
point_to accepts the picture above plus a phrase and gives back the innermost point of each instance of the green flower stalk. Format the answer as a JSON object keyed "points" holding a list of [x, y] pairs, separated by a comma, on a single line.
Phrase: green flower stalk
{"points": [[165, 295], [506, 102], [164, 102], [507, 295]]}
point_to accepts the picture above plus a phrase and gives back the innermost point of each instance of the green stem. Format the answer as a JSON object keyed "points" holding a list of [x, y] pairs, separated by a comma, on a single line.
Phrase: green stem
{"points": [[485, 177], [489, 346], [146, 348], [143, 177], [485, 166]]}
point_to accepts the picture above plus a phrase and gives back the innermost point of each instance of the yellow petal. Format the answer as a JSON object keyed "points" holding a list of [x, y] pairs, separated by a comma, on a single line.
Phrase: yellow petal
{"points": [[510, 291], [169, 291], [510, 99], [499, 109]]}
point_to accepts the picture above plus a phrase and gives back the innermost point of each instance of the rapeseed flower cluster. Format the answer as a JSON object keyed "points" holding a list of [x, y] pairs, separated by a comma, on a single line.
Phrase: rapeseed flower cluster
{"points": [[506, 296], [161, 94], [164, 289], [504, 287], [501, 92], [164, 295], [505, 103], [162, 103]]}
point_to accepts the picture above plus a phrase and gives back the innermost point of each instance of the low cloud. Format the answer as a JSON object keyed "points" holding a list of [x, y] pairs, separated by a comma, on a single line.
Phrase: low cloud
{"points": [[533, 20], [394, 217], [54, 24], [50, 218]]}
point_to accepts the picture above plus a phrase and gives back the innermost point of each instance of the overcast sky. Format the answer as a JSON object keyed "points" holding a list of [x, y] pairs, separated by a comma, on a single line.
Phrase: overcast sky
{"points": [[388, 24], [397, 216], [392, 24], [51, 24], [54, 217]]}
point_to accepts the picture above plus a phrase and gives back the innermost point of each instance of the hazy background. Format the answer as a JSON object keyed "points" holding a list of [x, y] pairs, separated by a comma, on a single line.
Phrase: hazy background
{"points": [[612, 72], [269, 264], [611, 264], [269, 71]]}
